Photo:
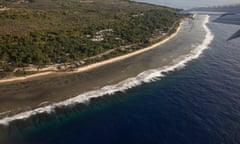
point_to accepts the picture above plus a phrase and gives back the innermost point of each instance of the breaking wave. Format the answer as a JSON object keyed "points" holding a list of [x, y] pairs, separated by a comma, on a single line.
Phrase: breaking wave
{"points": [[144, 77]]}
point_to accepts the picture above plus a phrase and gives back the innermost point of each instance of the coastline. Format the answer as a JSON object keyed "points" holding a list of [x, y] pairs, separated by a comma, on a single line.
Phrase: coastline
{"points": [[122, 57], [98, 64], [146, 76]]}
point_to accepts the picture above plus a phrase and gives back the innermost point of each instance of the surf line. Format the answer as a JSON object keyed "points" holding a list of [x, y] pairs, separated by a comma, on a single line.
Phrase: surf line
{"points": [[144, 77]]}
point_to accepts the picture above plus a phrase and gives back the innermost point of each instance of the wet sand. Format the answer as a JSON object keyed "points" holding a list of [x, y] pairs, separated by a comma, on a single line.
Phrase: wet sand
{"points": [[16, 96]]}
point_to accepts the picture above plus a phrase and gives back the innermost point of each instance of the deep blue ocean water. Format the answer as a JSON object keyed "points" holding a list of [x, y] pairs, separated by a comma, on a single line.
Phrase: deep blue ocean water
{"points": [[199, 104]]}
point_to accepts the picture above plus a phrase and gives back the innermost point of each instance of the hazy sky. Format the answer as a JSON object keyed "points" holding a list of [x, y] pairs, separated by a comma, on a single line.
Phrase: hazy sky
{"points": [[191, 3]]}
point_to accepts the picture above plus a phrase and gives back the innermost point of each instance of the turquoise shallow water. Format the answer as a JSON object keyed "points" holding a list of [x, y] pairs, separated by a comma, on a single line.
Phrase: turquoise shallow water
{"points": [[199, 103]]}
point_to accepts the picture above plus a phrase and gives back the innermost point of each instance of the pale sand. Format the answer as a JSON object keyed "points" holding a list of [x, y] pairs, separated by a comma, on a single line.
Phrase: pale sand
{"points": [[4, 9], [98, 64]]}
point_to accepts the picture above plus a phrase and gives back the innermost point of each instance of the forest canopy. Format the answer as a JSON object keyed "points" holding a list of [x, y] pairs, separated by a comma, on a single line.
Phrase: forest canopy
{"points": [[42, 32]]}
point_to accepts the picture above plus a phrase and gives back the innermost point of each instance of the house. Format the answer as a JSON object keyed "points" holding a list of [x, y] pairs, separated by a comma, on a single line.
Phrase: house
{"points": [[79, 63], [100, 35], [59, 61], [97, 38]]}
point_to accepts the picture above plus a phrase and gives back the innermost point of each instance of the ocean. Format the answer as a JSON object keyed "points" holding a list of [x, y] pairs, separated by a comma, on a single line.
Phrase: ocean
{"points": [[184, 4], [187, 91]]}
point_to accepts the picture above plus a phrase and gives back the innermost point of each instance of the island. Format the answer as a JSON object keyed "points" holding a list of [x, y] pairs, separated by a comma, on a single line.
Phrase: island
{"points": [[43, 36]]}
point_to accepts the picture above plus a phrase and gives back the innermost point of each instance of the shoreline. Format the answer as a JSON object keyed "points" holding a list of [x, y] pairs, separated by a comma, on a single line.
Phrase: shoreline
{"points": [[98, 64], [145, 76]]}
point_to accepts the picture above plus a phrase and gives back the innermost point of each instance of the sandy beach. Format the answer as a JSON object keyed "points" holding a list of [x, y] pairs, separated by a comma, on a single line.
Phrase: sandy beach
{"points": [[112, 60], [95, 65]]}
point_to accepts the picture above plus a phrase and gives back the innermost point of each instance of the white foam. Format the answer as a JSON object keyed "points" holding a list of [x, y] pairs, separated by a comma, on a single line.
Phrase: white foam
{"points": [[144, 77], [3, 113]]}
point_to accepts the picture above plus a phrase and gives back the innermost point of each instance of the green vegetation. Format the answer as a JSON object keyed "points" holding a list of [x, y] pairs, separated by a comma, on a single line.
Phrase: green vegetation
{"points": [[43, 32]]}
